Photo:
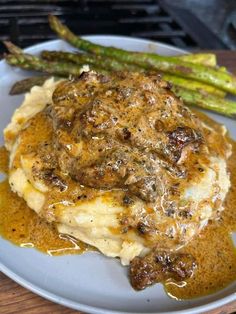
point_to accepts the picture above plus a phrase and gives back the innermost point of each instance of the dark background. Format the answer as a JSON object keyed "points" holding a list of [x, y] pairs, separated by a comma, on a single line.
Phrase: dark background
{"points": [[218, 15], [188, 24]]}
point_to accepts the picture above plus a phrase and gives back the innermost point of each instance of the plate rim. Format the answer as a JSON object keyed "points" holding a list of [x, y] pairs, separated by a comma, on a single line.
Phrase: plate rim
{"points": [[95, 310], [83, 307]]}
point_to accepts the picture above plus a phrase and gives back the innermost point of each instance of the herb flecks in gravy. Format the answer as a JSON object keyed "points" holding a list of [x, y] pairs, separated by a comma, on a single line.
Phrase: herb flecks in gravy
{"points": [[213, 250], [22, 226]]}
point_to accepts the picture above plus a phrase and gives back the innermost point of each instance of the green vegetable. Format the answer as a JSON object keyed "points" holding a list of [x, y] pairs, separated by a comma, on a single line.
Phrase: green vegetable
{"points": [[212, 76], [208, 59], [81, 58], [29, 62], [193, 85], [25, 85], [12, 48], [114, 65], [63, 68], [206, 101]]}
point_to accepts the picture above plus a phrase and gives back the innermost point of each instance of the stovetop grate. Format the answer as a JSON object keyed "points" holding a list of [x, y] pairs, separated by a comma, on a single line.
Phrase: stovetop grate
{"points": [[25, 22]]}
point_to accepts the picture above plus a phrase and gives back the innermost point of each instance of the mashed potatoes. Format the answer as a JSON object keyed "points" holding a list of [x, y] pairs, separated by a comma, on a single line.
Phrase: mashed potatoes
{"points": [[119, 226]]}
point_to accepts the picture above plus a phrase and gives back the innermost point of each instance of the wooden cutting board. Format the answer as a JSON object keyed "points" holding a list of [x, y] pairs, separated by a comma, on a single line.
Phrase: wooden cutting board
{"points": [[16, 299]]}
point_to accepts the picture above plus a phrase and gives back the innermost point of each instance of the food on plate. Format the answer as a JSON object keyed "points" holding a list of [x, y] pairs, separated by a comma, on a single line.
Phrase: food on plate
{"points": [[210, 75], [108, 157], [104, 64], [192, 92], [196, 78], [159, 266], [25, 85], [120, 163]]}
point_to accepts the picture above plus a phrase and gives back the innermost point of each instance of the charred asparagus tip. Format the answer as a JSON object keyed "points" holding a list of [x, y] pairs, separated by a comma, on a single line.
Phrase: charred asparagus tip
{"points": [[12, 48]]}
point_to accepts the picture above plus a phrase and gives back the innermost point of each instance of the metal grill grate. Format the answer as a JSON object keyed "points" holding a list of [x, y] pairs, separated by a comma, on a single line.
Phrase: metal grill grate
{"points": [[25, 22]]}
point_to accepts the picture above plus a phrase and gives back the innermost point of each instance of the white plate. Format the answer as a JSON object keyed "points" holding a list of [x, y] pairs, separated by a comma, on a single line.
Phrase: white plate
{"points": [[91, 282]]}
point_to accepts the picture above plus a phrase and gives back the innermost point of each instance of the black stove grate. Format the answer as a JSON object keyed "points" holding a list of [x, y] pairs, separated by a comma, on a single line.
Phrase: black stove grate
{"points": [[25, 22]]}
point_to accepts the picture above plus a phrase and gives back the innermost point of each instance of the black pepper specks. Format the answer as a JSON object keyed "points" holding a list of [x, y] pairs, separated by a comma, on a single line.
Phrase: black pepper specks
{"points": [[126, 134], [127, 200]]}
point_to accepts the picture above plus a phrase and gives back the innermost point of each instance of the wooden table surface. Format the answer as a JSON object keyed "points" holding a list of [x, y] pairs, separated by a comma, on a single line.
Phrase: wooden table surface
{"points": [[16, 299]]}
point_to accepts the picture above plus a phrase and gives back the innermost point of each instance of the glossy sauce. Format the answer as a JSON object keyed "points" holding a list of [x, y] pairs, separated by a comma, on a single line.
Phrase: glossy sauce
{"points": [[22, 226], [213, 249]]}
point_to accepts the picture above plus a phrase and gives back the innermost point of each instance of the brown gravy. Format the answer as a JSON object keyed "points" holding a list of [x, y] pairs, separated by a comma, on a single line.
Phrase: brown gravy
{"points": [[22, 226], [213, 249]]}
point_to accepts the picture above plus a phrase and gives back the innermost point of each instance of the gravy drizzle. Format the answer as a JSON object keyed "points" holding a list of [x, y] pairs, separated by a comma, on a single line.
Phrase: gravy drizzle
{"points": [[213, 249], [22, 226]]}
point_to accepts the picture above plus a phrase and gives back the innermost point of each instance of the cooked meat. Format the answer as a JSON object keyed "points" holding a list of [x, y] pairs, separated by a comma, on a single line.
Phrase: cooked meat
{"points": [[120, 164], [182, 137], [159, 266], [122, 132]]}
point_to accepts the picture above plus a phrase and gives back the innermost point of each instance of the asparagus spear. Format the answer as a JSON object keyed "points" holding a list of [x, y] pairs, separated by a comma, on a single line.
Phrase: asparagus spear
{"points": [[193, 85], [201, 58], [81, 58], [114, 65], [206, 101], [172, 65], [208, 59], [29, 62], [12, 48], [25, 85], [190, 97]]}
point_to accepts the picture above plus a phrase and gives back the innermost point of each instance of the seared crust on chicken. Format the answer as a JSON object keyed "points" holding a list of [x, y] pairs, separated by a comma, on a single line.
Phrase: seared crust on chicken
{"points": [[158, 266], [125, 131]]}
